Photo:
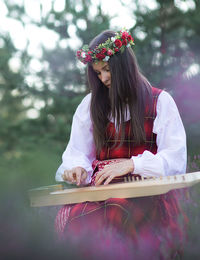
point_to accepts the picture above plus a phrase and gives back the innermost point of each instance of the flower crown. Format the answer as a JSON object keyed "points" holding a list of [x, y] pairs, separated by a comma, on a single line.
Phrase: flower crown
{"points": [[104, 51]]}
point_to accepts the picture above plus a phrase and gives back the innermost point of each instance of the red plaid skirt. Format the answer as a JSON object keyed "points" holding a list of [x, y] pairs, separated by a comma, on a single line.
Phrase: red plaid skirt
{"points": [[148, 227]]}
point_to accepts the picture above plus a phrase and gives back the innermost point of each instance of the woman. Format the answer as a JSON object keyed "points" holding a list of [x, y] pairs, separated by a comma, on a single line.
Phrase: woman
{"points": [[124, 127]]}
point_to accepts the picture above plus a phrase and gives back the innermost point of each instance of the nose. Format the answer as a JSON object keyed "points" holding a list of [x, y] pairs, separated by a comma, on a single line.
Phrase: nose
{"points": [[104, 77]]}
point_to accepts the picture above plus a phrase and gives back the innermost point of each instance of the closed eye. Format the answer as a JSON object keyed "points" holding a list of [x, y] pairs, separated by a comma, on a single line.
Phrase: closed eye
{"points": [[105, 69]]}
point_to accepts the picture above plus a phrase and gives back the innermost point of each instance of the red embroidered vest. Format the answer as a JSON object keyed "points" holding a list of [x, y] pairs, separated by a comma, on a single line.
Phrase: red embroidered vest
{"points": [[128, 148]]}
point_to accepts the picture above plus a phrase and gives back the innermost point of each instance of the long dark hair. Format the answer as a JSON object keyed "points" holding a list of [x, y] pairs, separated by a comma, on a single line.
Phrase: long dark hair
{"points": [[129, 89]]}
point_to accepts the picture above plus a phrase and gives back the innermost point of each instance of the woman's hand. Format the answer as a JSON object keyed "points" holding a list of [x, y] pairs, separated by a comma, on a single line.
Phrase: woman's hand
{"points": [[113, 170], [76, 175]]}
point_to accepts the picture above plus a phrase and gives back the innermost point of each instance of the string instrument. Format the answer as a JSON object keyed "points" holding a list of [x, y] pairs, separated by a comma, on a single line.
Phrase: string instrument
{"points": [[58, 195]]}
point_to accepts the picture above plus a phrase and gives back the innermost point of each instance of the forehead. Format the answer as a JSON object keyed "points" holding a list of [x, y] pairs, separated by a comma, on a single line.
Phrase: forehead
{"points": [[100, 65]]}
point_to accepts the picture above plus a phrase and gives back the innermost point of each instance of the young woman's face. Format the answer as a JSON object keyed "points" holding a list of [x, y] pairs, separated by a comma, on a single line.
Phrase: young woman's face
{"points": [[103, 72]]}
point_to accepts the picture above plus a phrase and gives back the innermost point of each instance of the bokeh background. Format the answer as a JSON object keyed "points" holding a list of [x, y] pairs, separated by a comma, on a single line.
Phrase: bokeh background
{"points": [[41, 84]]}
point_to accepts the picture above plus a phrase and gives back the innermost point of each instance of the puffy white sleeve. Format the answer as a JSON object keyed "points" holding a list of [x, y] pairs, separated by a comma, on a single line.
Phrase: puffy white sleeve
{"points": [[171, 155], [80, 150]]}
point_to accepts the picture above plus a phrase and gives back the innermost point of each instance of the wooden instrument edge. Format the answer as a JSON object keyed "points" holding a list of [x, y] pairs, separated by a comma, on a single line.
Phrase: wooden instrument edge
{"points": [[56, 195]]}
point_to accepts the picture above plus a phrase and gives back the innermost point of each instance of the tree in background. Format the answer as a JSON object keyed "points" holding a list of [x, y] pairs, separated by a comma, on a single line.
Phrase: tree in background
{"points": [[67, 74], [12, 86], [59, 85]]}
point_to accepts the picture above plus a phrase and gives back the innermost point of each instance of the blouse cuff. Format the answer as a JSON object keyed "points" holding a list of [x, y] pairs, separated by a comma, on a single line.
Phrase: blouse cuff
{"points": [[137, 164]]}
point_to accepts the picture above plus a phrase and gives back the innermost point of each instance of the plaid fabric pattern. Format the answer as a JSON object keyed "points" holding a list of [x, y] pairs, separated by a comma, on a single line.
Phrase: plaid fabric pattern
{"points": [[129, 148], [152, 226]]}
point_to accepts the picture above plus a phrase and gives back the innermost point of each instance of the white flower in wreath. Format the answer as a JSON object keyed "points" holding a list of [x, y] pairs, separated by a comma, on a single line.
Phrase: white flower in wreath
{"points": [[83, 55], [106, 58]]}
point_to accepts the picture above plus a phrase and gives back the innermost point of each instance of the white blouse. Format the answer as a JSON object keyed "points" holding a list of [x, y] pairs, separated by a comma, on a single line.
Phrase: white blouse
{"points": [[171, 142]]}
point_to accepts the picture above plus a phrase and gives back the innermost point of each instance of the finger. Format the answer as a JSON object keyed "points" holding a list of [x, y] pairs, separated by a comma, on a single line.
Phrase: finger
{"points": [[78, 175], [99, 175], [101, 179], [108, 180], [84, 175], [67, 176], [72, 176], [106, 170]]}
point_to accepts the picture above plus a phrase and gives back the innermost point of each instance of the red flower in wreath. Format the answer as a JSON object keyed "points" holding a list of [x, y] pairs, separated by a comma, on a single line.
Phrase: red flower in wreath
{"points": [[124, 42], [78, 54], [118, 43], [103, 50], [129, 38], [116, 49], [124, 35], [88, 58], [100, 56]]}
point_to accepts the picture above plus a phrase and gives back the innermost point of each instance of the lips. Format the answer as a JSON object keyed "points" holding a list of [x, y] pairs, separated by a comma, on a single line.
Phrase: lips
{"points": [[107, 85]]}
